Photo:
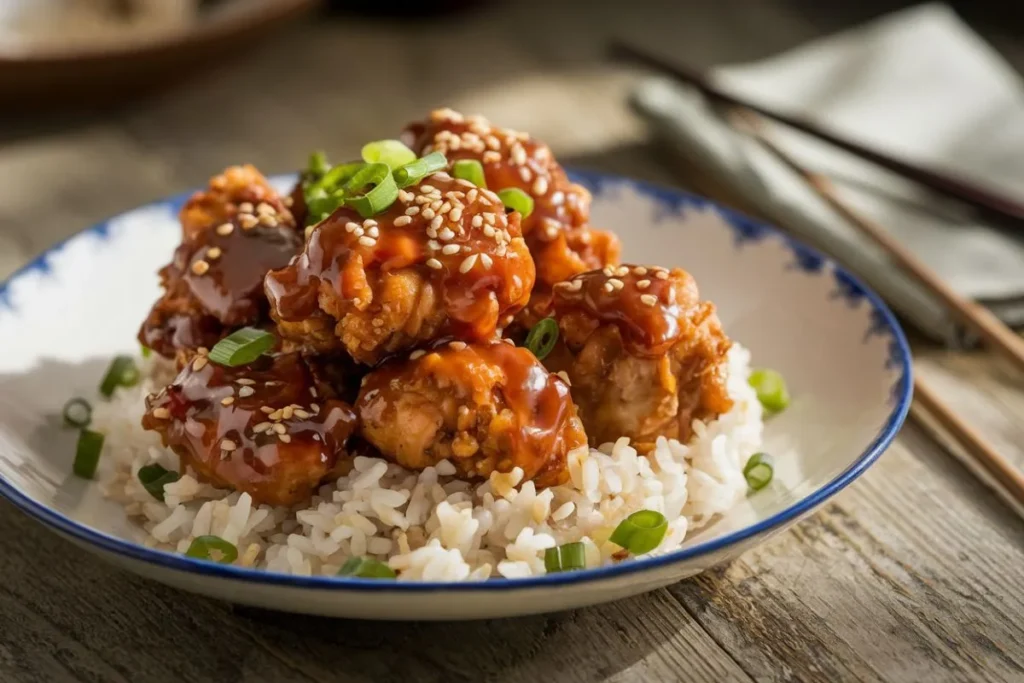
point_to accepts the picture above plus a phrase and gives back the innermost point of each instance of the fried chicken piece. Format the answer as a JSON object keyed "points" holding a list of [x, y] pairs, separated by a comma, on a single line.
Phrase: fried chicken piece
{"points": [[268, 428], [444, 259], [644, 354], [557, 232], [214, 283], [239, 189], [485, 407]]}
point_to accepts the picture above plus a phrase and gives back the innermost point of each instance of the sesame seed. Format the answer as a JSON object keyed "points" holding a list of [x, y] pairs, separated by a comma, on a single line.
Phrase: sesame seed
{"points": [[661, 275], [302, 414], [558, 198], [457, 345], [373, 232], [649, 299], [268, 220], [576, 285], [369, 223], [617, 284], [622, 271], [468, 263], [285, 438], [228, 445], [248, 221], [524, 173], [227, 400], [492, 157], [486, 260], [456, 214], [450, 249], [564, 376], [472, 195], [312, 392], [492, 142], [431, 233], [279, 428], [405, 196], [245, 207], [445, 208], [608, 287], [420, 199], [161, 413], [437, 222], [434, 263], [436, 204], [551, 232], [315, 408], [418, 353], [265, 208], [246, 392], [412, 211], [358, 232], [518, 154], [351, 227], [288, 201], [427, 214], [199, 363], [267, 409], [213, 253], [426, 188], [608, 271], [225, 229], [367, 241], [200, 267], [640, 270], [446, 234], [478, 221], [287, 412], [245, 381], [277, 415], [643, 284], [489, 218], [500, 251], [433, 244], [540, 186], [488, 231]]}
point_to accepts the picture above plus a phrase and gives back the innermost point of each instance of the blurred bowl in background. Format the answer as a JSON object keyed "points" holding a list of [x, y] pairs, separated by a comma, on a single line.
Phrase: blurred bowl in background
{"points": [[96, 75]]}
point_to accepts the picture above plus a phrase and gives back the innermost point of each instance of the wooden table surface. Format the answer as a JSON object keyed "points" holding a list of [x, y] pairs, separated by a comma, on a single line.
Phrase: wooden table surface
{"points": [[914, 573]]}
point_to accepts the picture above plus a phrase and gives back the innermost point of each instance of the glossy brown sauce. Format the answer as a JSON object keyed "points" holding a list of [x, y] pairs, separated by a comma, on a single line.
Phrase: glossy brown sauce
{"points": [[278, 468], [341, 255], [645, 303], [545, 428]]}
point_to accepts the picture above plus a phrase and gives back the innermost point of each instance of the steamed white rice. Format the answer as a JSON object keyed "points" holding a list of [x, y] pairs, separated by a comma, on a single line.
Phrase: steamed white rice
{"points": [[428, 525]]}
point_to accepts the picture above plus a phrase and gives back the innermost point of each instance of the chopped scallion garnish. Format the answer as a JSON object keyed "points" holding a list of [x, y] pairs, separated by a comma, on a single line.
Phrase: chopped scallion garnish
{"points": [[317, 166], [242, 347], [412, 173], [121, 373], [515, 199], [146, 351], [87, 454], [564, 558], [759, 470], [212, 548], [771, 389], [379, 198], [155, 477], [77, 413], [641, 532], [471, 170], [542, 338], [366, 568], [390, 152]]}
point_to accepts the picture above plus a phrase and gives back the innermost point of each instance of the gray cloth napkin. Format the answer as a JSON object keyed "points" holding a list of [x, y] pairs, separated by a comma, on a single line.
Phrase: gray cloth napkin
{"points": [[918, 84]]}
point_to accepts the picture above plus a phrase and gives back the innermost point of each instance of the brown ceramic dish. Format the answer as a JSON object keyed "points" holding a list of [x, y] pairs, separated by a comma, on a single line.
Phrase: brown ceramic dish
{"points": [[97, 78]]}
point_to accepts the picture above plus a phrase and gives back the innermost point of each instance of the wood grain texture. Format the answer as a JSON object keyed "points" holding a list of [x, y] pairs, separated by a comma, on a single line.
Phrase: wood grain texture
{"points": [[913, 573]]}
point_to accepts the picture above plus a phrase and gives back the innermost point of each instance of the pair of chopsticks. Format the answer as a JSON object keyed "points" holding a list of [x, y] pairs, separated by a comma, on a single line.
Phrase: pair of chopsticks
{"points": [[749, 117]]}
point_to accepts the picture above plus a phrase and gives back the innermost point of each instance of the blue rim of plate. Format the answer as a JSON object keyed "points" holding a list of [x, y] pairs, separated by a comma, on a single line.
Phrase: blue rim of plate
{"points": [[885, 321]]}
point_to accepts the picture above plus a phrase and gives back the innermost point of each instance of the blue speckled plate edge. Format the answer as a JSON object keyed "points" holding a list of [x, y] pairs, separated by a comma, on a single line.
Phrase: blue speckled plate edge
{"points": [[747, 229]]}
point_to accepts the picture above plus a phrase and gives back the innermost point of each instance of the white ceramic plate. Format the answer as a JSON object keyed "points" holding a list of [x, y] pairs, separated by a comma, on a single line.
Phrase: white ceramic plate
{"points": [[846, 361]]}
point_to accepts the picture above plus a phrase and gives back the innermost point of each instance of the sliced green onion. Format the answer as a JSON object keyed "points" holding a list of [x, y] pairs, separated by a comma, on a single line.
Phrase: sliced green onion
{"points": [[335, 178], [412, 173], [121, 373], [641, 532], [87, 454], [383, 194], [471, 170], [390, 152], [542, 338], [146, 351], [759, 470], [565, 558], [515, 199], [366, 568], [317, 166], [212, 548], [771, 389], [77, 413], [155, 477], [242, 347]]}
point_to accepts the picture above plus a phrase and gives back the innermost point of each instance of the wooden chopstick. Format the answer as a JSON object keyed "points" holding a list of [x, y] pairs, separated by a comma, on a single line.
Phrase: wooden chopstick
{"points": [[1008, 478], [985, 201], [971, 314]]}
